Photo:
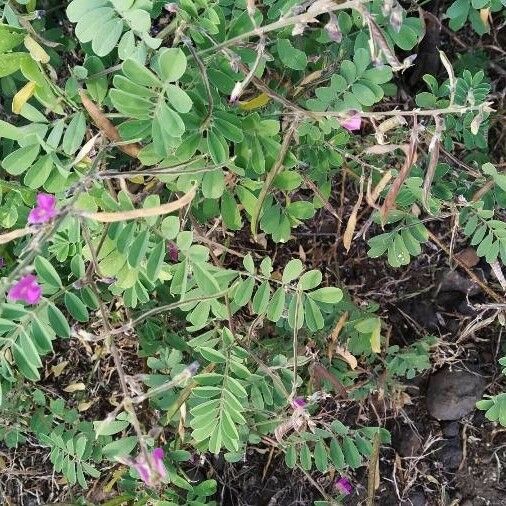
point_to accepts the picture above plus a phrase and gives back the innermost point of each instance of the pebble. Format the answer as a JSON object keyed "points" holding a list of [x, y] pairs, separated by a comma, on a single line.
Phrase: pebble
{"points": [[452, 395]]}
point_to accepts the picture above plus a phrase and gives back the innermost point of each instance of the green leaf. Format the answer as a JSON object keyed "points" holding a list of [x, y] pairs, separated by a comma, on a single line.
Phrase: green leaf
{"points": [[329, 295], [351, 454], [10, 62], [155, 261], [261, 298], [76, 307], [20, 160], [74, 134], [47, 272], [336, 454], [120, 447], [291, 457], [109, 427], [320, 457], [26, 367], [290, 56], [305, 457], [172, 63], [205, 280], [137, 250], [58, 321], [310, 280], [292, 270], [277, 305]]}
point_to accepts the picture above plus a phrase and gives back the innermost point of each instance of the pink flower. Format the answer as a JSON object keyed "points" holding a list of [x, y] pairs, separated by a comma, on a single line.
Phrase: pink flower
{"points": [[344, 486], [298, 403], [152, 471], [352, 123], [45, 209], [26, 289]]}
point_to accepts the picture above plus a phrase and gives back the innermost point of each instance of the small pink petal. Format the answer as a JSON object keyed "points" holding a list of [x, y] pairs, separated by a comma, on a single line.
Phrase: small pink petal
{"points": [[45, 209], [298, 403], [46, 201], [143, 471], [26, 289], [344, 486], [157, 460], [352, 123]]}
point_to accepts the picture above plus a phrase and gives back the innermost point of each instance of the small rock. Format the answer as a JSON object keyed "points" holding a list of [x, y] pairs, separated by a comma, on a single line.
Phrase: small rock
{"points": [[453, 281], [468, 257], [450, 429], [453, 394], [423, 312], [451, 455], [406, 441], [416, 499]]}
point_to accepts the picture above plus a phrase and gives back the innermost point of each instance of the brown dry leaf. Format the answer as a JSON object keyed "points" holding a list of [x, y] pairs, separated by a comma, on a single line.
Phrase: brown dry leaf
{"points": [[433, 160], [14, 234], [107, 127], [75, 387], [378, 40], [182, 420], [319, 373], [335, 334], [167, 208], [468, 257], [345, 354], [85, 150], [383, 149], [496, 269], [352, 220], [372, 197], [411, 156], [387, 125], [84, 406], [59, 368]]}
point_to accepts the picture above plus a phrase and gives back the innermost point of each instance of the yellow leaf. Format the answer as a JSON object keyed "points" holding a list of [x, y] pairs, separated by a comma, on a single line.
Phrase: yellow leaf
{"points": [[74, 387], [255, 103], [58, 368], [484, 15], [36, 50], [84, 406], [137, 179], [345, 354], [376, 337], [22, 96], [352, 220]]}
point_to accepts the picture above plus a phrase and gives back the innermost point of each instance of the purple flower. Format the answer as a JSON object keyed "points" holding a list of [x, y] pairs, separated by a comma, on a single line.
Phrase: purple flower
{"points": [[152, 471], [352, 123], [173, 251], [332, 29], [298, 403], [45, 209], [2, 262], [26, 289], [344, 486]]}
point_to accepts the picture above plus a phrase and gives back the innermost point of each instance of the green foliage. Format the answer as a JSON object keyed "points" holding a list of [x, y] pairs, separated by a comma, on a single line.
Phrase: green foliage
{"points": [[236, 119]]}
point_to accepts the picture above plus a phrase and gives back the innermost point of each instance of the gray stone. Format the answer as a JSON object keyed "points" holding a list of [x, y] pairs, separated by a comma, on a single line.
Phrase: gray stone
{"points": [[453, 394], [451, 455], [450, 429]]}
